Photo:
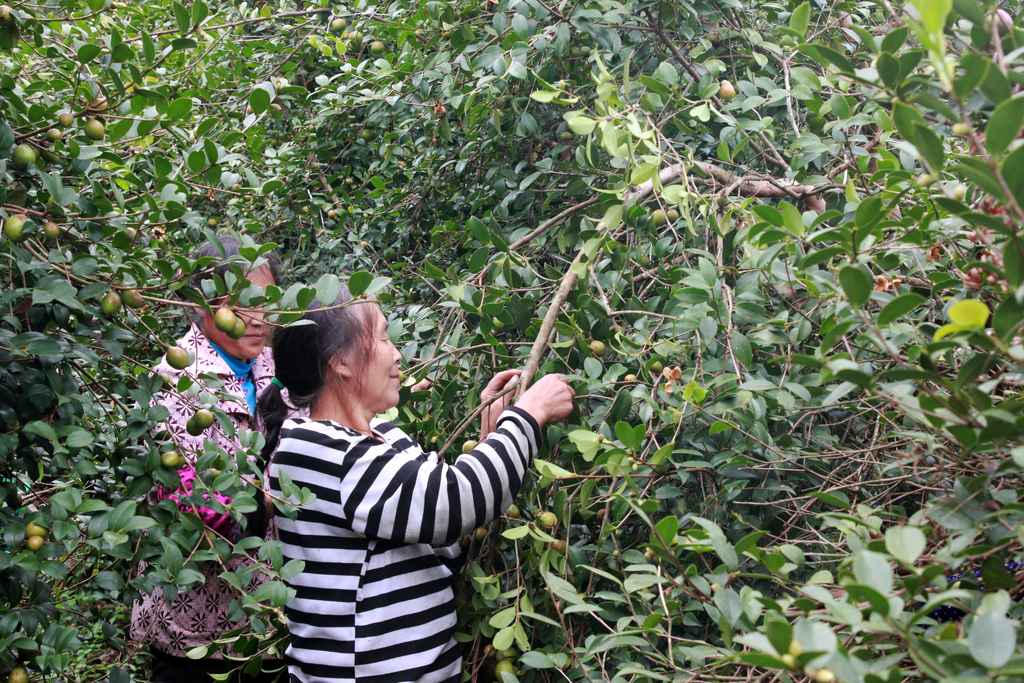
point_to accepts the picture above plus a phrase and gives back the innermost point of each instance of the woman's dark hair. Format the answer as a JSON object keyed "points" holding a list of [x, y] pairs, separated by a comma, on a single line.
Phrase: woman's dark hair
{"points": [[224, 264], [301, 357]]}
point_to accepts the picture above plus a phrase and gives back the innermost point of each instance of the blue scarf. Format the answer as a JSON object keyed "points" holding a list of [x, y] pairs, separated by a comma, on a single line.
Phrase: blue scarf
{"points": [[243, 371]]}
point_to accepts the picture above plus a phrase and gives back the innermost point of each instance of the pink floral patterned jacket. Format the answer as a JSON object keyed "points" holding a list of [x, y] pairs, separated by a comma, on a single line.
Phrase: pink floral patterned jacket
{"points": [[201, 615]]}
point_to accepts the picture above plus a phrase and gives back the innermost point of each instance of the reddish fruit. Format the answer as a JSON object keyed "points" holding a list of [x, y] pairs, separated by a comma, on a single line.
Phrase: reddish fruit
{"points": [[131, 298], [110, 303]]}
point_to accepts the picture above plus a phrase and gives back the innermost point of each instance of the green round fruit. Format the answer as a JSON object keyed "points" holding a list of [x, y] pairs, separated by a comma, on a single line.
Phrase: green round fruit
{"points": [[131, 298], [960, 129], [547, 519], [66, 120], [656, 367], [177, 358], [512, 512], [480, 533], [504, 667], [54, 134], [377, 47], [659, 218], [224, 319], [597, 348], [338, 25], [238, 331], [365, 135], [35, 542], [94, 130], [468, 446], [193, 428], [51, 230], [23, 155], [204, 418], [672, 215], [565, 136], [110, 303], [559, 546], [171, 459], [34, 529], [6, 16], [14, 227], [166, 379]]}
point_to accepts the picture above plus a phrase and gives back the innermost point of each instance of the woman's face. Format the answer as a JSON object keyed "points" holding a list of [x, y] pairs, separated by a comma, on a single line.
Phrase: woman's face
{"points": [[379, 384], [256, 329]]}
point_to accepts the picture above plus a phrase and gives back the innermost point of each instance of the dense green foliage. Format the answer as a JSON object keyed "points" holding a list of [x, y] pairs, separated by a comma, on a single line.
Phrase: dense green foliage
{"points": [[776, 245]]}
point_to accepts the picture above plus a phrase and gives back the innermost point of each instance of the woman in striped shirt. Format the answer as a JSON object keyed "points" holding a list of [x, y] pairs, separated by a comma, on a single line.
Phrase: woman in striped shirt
{"points": [[375, 602]]}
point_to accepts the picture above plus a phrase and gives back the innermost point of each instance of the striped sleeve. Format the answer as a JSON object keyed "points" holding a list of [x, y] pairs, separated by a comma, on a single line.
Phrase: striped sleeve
{"points": [[421, 500]]}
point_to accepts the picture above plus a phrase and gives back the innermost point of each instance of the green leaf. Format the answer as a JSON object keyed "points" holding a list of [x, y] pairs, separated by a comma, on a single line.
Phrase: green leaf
{"points": [[259, 100], [930, 147], [1004, 126], [199, 12], [873, 570], [899, 307], [992, 640], [856, 284], [182, 17], [358, 282], [88, 52], [969, 313], [791, 218], [800, 18], [933, 13], [905, 543], [179, 108]]}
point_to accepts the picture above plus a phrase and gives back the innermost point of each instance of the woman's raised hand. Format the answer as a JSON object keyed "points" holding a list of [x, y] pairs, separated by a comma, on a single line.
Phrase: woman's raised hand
{"points": [[549, 400], [489, 417]]}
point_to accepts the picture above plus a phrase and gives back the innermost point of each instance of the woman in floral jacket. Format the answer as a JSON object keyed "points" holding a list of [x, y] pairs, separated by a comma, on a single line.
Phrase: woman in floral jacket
{"points": [[244, 368]]}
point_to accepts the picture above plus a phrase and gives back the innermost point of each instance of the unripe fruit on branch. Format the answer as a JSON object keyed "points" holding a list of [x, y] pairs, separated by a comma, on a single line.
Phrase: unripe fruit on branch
{"points": [[238, 331], [94, 130], [377, 47], [559, 546], [204, 418], [338, 25], [35, 542], [66, 120], [824, 676], [224, 319], [54, 134], [547, 519], [659, 218], [480, 533], [961, 130], [14, 227], [34, 529], [110, 303], [132, 298], [726, 91], [18, 675], [171, 459], [673, 215], [468, 446], [6, 18], [23, 155], [597, 348], [512, 512], [177, 358]]}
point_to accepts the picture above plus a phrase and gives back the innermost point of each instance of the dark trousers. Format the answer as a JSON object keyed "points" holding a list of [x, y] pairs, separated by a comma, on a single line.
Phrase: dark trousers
{"points": [[168, 669]]}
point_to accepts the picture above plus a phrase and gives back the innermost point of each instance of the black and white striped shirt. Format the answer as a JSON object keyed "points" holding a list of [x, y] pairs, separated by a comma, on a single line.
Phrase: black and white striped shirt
{"points": [[375, 602]]}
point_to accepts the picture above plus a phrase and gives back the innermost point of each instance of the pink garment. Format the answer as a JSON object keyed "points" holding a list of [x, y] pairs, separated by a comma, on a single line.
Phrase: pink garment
{"points": [[201, 615]]}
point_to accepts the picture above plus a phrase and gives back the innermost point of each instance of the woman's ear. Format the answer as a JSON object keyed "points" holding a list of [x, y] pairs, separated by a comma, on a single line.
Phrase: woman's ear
{"points": [[341, 368]]}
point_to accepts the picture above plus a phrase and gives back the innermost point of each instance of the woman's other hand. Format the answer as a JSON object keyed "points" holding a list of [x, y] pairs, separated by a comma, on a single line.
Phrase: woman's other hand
{"points": [[549, 400], [489, 417]]}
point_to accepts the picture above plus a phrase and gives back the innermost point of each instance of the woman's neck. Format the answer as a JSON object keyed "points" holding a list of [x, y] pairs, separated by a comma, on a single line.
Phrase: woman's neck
{"points": [[330, 407]]}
